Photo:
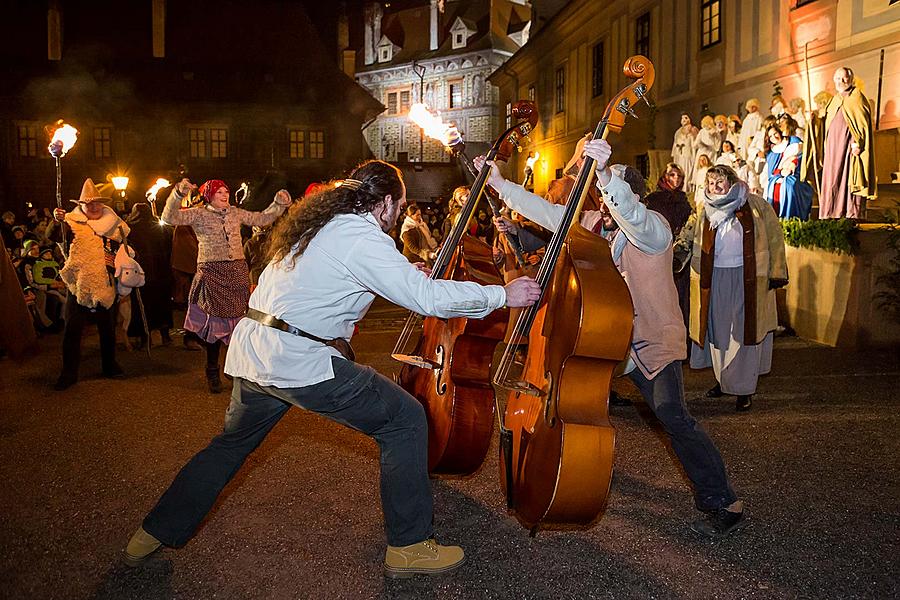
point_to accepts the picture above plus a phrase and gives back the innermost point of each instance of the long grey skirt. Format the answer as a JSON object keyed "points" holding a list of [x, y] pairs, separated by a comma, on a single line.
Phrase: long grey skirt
{"points": [[737, 366]]}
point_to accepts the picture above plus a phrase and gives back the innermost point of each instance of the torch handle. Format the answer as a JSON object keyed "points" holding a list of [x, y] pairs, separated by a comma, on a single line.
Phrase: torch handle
{"points": [[63, 245], [514, 242]]}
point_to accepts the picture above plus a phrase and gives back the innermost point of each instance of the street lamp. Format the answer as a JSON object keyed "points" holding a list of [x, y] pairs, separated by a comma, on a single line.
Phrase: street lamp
{"points": [[62, 139], [120, 182]]}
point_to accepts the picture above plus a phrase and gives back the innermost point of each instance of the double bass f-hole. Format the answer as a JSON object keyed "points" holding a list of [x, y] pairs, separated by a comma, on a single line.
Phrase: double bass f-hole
{"points": [[440, 386]]}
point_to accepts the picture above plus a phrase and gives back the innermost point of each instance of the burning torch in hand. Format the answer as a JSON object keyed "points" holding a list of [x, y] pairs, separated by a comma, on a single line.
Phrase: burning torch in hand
{"points": [[153, 191], [63, 138]]}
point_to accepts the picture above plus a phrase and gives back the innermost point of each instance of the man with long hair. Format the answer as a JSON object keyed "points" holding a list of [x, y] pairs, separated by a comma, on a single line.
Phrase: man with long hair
{"points": [[328, 259]]}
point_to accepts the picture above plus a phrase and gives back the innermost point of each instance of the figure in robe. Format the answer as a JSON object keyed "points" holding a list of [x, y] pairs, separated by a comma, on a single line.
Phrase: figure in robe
{"points": [[848, 168], [707, 141], [785, 191], [683, 147], [814, 141], [751, 124]]}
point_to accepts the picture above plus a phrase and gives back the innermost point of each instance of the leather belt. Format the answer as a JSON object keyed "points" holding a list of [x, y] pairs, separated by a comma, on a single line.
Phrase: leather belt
{"points": [[339, 344]]}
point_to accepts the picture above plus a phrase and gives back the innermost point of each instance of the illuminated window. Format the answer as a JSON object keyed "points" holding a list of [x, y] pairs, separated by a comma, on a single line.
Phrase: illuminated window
{"points": [[218, 143], [710, 20], [642, 35], [531, 93], [456, 88], [27, 140], [102, 142], [392, 103], [197, 139], [560, 89], [297, 143], [317, 144], [597, 70], [404, 101], [508, 115]]}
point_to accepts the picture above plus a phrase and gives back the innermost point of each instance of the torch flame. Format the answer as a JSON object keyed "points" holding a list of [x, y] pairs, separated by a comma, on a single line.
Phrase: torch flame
{"points": [[65, 136], [433, 126], [154, 190]]}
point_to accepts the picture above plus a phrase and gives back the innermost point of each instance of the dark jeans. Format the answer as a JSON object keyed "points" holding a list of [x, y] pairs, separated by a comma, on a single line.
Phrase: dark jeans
{"points": [[698, 455], [76, 316], [357, 397]]}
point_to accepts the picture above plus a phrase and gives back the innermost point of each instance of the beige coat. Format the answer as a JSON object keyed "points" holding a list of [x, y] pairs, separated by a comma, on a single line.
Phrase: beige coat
{"points": [[858, 115], [764, 261]]}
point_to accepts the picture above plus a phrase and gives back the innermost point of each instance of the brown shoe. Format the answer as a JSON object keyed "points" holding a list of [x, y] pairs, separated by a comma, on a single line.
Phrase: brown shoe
{"points": [[424, 558], [140, 546]]}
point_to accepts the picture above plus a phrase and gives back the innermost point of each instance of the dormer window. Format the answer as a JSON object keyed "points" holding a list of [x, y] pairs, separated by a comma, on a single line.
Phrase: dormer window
{"points": [[461, 32], [386, 49]]}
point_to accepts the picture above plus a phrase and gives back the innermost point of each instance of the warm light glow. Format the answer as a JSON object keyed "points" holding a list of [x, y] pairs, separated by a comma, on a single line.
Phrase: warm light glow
{"points": [[433, 126], [529, 162], [120, 183], [154, 190], [64, 137], [161, 222]]}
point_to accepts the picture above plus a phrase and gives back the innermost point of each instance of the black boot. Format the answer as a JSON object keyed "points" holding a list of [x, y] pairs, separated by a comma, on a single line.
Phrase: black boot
{"points": [[743, 403], [213, 380], [715, 392]]}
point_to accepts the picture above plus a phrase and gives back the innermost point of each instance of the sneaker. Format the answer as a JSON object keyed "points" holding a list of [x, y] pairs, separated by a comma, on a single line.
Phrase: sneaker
{"points": [[743, 403], [140, 546], [719, 523], [424, 558], [715, 392]]}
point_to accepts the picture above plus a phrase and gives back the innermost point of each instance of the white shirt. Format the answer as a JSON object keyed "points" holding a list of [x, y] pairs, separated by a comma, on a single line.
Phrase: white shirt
{"points": [[330, 289], [729, 250]]}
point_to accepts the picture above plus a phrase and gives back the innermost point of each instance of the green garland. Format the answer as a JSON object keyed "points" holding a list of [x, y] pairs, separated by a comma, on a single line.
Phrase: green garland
{"points": [[833, 235]]}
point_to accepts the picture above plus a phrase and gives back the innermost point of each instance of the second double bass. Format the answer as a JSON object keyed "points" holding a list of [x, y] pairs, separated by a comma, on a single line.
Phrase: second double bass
{"points": [[449, 370]]}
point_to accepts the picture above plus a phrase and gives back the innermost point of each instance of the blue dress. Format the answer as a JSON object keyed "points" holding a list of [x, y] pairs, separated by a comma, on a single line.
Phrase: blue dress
{"points": [[789, 196]]}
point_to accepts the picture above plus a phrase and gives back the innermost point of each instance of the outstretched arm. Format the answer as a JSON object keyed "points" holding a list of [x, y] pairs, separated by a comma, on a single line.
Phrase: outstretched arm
{"points": [[267, 217]]}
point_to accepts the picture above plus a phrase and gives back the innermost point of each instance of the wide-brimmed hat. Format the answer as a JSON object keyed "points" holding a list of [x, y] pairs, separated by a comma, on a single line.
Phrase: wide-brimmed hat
{"points": [[90, 193]]}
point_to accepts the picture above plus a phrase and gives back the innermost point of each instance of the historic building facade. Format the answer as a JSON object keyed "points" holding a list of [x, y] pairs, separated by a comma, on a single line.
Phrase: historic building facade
{"points": [[710, 56], [442, 58]]}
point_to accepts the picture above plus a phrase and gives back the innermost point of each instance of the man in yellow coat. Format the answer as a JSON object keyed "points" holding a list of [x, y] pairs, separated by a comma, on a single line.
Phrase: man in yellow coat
{"points": [[848, 168]]}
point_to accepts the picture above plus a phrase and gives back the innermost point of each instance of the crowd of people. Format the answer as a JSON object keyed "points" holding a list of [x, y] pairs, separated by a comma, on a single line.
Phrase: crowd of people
{"points": [[791, 153], [702, 256]]}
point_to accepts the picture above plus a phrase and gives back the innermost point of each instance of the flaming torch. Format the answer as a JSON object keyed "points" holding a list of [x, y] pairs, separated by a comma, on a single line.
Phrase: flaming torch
{"points": [[153, 191], [446, 133], [433, 126], [63, 138]]}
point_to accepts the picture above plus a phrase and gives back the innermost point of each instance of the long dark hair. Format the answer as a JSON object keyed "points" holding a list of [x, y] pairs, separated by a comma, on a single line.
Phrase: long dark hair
{"points": [[293, 232]]}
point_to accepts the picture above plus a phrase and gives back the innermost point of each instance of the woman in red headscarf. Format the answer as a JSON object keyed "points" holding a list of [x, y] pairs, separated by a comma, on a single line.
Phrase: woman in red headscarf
{"points": [[221, 286]]}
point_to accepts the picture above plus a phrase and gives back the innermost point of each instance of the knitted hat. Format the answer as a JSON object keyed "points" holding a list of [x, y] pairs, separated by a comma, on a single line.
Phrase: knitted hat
{"points": [[28, 244], [209, 188]]}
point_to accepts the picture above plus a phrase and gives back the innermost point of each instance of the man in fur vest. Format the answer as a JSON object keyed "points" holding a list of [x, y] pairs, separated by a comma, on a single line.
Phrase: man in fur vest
{"points": [[89, 276]]}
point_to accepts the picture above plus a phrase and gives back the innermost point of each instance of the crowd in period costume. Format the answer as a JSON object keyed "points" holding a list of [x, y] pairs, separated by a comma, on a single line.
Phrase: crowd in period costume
{"points": [[702, 256], [826, 153]]}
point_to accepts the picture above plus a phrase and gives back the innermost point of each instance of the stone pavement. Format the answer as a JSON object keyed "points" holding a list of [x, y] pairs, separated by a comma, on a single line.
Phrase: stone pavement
{"points": [[815, 461]]}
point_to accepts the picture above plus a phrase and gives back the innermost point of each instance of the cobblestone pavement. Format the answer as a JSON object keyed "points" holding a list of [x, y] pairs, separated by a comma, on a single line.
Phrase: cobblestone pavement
{"points": [[815, 460]]}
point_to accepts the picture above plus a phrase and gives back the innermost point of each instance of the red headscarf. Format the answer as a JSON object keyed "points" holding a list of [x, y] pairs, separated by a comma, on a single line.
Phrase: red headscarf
{"points": [[209, 188]]}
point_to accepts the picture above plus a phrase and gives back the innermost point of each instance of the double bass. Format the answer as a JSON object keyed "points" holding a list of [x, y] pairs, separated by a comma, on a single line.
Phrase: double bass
{"points": [[556, 440], [449, 371]]}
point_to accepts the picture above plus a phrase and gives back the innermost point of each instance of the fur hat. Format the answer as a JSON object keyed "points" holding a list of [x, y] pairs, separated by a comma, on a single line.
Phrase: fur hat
{"points": [[89, 193]]}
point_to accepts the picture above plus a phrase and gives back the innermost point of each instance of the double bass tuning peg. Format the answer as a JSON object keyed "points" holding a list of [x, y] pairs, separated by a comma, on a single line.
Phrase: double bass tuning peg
{"points": [[624, 107]]}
